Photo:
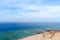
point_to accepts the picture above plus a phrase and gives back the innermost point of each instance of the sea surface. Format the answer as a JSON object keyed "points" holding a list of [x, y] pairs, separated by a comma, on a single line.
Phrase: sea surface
{"points": [[16, 30]]}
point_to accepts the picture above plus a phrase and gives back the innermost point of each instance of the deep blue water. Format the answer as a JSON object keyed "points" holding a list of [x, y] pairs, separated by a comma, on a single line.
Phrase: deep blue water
{"points": [[17, 26], [25, 26], [15, 30]]}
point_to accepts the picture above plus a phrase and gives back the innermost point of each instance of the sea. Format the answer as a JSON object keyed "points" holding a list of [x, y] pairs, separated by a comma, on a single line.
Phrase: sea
{"points": [[18, 30]]}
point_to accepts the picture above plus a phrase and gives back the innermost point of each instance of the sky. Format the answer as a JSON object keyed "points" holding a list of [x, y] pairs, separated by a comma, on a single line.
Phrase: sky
{"points": [[29, 10]]}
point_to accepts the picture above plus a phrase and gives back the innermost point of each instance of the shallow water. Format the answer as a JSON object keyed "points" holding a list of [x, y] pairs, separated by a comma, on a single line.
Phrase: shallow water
{"points": [[13, 31]]}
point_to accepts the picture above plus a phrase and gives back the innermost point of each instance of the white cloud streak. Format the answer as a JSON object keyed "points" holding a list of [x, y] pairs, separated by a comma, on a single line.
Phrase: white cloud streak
{"points": [[23, 8]]}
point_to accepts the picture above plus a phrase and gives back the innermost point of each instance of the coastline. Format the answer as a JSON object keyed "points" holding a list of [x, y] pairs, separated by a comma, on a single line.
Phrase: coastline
{"points": [[52, 35]]}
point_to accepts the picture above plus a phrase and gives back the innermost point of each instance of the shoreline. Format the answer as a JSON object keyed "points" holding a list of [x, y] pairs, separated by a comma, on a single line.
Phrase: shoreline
{"points": [[51, 35]]}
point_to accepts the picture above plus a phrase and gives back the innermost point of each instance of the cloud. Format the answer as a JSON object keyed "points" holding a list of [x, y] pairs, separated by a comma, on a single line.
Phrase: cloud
{"points": [[43, 13], [28, 10], [47, 14]]}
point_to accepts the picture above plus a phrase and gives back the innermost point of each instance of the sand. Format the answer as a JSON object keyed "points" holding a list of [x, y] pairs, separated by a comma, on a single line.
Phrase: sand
{"points": [[53, 35]]}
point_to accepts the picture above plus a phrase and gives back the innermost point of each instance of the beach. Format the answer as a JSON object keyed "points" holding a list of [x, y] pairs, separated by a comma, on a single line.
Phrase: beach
{"points": [[52, 35]]}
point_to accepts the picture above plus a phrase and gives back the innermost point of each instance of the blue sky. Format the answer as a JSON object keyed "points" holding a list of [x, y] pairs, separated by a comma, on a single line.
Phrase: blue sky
{"points": [[29, 10]]}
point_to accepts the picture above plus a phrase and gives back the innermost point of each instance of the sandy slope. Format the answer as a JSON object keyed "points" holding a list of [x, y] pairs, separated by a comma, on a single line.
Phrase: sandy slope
{"points": [[46, 36]]}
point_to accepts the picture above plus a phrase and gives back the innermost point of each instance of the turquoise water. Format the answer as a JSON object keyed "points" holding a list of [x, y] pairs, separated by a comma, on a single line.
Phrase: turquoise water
{"points": [[17, 34], [14, 31]]}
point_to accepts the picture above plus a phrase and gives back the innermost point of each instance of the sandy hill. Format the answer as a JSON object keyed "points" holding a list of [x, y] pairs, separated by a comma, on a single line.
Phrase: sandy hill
{"points": [[51, 35]]}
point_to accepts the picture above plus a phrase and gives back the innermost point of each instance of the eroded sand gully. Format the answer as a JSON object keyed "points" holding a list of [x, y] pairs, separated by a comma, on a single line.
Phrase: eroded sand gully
{"points": [[50, 35]]}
